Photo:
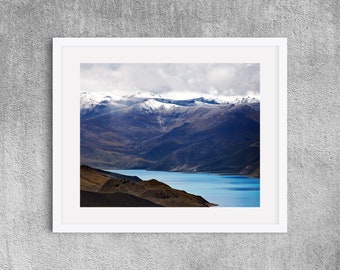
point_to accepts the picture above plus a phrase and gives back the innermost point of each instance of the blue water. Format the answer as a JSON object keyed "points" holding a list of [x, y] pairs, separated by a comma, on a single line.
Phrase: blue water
{"points": [[224, 190]]}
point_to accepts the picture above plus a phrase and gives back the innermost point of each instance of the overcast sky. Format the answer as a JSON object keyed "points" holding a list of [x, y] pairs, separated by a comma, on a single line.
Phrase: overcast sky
{"points": [[172, 80]]}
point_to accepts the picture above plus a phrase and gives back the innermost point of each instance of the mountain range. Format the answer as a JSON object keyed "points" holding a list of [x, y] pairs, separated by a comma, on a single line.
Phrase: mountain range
{"points": [[155, 133]]}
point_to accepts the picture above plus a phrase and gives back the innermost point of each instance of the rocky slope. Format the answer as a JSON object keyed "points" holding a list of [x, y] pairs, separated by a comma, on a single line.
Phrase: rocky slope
{"points": [[103, 189]]}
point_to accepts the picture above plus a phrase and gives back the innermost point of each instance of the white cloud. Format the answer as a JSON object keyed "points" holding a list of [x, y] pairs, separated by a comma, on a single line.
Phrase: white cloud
{"points": [[172, 80]]}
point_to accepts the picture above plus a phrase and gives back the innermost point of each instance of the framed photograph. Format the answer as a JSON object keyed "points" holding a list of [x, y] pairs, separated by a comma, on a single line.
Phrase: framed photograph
{"points": [[169, 135]]}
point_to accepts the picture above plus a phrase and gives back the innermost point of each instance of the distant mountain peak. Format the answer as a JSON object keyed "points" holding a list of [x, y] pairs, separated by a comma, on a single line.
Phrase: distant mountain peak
{"points": [[152, 105]]}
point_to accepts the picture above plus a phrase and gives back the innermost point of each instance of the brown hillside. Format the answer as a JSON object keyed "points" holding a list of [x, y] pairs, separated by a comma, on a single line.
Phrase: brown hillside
{"points": [[106, 187]]}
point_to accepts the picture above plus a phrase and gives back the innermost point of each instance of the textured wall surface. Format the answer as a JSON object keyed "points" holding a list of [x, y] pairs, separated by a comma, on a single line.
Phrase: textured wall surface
{"points": [[26, 31]]}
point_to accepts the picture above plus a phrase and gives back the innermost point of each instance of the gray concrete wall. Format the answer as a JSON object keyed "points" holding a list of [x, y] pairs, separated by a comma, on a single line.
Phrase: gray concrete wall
{"points": [[26, 31]]}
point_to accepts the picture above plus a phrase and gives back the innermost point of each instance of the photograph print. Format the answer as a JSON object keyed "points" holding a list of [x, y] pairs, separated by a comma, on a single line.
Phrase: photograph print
{"points": [[170, 135]]}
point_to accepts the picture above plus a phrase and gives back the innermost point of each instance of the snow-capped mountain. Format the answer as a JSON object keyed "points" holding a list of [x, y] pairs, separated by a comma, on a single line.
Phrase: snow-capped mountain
{"points": [[89, 100], [152, 103]]}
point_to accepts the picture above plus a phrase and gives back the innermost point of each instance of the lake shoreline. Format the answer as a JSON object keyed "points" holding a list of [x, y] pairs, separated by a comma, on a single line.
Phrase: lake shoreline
{"points": [[193, 172], [225, 190]]}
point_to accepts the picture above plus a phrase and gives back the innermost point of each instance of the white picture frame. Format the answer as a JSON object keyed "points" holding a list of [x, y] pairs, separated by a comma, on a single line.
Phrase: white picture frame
{"points": [[271, 53]]}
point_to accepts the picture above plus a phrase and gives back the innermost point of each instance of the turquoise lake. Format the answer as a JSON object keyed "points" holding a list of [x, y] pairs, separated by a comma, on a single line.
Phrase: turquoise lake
{"points": [[224, 190]]}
